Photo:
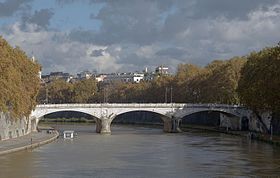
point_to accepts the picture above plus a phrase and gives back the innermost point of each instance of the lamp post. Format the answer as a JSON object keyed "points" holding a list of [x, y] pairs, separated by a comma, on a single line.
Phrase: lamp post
{"points": [[47, 98], [171, 93], [271, 130], [165, 101], [104, 95]]}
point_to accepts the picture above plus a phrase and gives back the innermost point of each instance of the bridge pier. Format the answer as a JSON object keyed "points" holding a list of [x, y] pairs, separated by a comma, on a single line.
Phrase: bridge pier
{"points": [[103, 124], [167, 124], [171, 125], [176, 125]]}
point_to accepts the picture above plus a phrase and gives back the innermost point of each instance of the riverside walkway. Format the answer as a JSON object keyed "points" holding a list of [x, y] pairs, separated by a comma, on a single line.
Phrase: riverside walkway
{"points": [[32, 140]]}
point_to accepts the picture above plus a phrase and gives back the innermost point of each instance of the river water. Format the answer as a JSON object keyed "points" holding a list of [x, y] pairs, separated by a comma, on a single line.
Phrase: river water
{"points": [[143, 152]]}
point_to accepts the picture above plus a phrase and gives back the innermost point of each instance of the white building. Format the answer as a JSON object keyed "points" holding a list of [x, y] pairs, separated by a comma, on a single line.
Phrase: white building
{"points": [[162, 70], [124, 77], [84, 75], [100, 78]]}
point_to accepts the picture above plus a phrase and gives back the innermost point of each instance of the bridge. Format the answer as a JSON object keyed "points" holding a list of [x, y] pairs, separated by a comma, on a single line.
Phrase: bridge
{"points": [[171, 113]]}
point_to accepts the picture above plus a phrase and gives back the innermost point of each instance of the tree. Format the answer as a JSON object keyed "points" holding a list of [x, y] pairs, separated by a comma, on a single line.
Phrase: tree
{"points": [[185, 73], [260, 82], [84, 90], [60, 91], [217, 82], [19, 81]]}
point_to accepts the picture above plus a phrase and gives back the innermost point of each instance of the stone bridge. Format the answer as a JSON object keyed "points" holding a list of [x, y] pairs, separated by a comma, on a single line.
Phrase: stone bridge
{"points": [[171, 113]]}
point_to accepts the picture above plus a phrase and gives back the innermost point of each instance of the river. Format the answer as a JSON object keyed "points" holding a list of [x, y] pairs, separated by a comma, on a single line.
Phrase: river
{"points": [[133, 151]]}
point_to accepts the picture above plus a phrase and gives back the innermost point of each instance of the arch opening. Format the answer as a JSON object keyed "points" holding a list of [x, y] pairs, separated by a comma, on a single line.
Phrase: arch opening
{"points": [[68, 116], [139, 117], [214, 119], [245, 124]]}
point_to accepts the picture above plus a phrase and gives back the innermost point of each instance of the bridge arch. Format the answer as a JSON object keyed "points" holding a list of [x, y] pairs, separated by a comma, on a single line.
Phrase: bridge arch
{"points": [[140, 116], [40, 113], [223, 111], [68, 115], [213, 117]]}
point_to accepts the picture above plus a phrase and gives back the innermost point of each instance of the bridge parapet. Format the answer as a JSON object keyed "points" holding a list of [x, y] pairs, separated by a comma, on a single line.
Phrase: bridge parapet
{"points": [[141, 105]]}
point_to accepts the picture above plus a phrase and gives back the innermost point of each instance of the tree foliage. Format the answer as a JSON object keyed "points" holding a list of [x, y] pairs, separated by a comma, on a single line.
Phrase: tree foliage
{"points": [[215, 83], [252, 80], [19, 81], [60, 91], [260, 80]]}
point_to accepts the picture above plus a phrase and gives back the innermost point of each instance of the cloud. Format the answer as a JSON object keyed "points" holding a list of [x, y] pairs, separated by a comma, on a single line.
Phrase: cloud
{"points": [[172, 53], [41, 18], [97, 53], [56, 53], [137, 34], [9, 7]]}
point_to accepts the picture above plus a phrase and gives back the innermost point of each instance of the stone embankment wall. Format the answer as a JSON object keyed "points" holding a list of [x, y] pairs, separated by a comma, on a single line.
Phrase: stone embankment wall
{"points": [[256, 125], [230, 122], [12, 128]]}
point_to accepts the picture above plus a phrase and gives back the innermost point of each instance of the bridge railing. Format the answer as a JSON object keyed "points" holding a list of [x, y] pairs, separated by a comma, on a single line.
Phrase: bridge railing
{"points": [[140, 105]]}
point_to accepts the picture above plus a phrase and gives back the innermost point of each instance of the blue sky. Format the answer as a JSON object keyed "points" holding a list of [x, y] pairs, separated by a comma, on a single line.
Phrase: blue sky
{"points": [[129, 35]]}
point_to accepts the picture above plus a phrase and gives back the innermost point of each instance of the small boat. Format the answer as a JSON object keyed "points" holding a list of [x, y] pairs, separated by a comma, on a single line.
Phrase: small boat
{"points": [[68, 134]]}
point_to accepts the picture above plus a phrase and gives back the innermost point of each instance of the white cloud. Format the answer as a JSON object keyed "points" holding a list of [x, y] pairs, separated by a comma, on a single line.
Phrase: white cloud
{"points": [[148, 40], [59, 55]]}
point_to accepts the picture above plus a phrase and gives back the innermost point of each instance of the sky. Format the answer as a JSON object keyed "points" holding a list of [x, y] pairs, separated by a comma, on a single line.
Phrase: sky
{"points": [[129, 35]]}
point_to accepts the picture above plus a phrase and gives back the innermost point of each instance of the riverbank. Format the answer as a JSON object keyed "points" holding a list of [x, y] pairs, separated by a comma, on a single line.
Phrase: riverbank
{"points": [[186, 128], [30, 141], [253, 135]]}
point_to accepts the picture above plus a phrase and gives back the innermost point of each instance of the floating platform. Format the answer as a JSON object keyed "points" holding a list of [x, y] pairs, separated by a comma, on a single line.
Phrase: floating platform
{"points": [[68, 134]]}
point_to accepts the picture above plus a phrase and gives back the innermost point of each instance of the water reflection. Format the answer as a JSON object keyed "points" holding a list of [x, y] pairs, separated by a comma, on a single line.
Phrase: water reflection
{"points": [[144, 152]]}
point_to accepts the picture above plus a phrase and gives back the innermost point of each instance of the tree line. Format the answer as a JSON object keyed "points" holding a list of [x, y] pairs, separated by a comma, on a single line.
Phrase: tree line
{"points": [[252, 80], [19, 81], [215, 83]]}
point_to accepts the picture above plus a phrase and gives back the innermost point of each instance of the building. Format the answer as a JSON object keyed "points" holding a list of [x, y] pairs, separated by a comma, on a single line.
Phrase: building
{"points": [[56, 76], [100, 78], [124, 77], [84, 75], [162, 70]]}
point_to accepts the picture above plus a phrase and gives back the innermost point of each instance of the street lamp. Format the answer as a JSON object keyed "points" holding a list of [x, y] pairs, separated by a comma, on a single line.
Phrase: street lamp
{"points": [[104, 95], [47, 98], [166, 94], [171, 93]]}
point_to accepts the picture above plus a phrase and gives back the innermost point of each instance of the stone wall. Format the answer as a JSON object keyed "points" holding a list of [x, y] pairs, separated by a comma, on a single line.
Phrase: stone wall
{"points": [[230, 122], [256, 125], [10, 128]]}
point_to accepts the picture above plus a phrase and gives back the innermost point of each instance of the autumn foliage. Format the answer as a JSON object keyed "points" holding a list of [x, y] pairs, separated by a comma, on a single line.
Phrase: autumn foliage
{"points": [[19, 81], [259, 85], [253, 81]]}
